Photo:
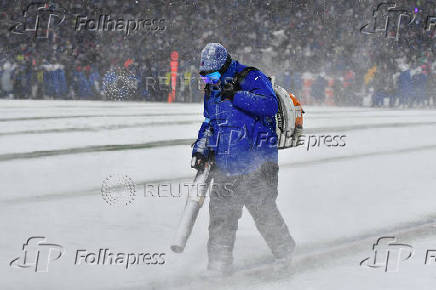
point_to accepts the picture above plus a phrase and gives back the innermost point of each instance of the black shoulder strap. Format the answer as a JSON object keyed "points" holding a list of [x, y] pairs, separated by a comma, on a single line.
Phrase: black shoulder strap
{"points": [[207, 90], [240, 76]]}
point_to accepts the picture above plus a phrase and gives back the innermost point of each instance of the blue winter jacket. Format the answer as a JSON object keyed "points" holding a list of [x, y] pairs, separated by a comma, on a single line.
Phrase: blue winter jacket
{"points": [[240, 133]]}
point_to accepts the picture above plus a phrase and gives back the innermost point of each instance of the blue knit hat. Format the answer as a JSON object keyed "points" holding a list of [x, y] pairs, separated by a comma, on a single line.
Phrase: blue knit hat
{"points": [[213, 57]]}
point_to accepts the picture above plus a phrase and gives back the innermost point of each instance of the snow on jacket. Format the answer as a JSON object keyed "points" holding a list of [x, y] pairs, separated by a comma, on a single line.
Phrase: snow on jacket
{"points": [[243, 130]]}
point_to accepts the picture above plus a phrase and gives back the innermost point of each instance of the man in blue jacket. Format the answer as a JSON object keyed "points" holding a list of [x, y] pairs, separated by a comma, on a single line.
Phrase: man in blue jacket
{"points": [[238, 135]]}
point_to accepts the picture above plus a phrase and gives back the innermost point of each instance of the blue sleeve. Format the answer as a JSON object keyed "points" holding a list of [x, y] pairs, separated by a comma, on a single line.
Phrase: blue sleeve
{"points": [[256, 95], [200, 145]]}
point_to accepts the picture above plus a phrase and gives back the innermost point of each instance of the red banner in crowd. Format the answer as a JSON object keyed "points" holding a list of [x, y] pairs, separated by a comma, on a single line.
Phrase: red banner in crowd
{"points": [[174, 63]]}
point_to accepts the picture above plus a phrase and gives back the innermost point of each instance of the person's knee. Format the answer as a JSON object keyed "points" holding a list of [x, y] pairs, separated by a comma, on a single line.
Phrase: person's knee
{"points": [[224, 216], [269, 172], [224, 223], [265, 213]]}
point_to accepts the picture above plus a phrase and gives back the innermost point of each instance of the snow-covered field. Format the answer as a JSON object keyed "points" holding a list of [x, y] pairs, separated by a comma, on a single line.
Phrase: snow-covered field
{"points": [[54, 156]]}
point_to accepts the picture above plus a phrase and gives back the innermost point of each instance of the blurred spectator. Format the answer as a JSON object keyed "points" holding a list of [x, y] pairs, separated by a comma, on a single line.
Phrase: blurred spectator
{"points": [[318, 89], [7, 80]]}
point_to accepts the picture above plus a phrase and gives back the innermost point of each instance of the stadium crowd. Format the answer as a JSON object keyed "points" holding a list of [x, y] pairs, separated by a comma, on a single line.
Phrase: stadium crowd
{"points": [[313, 48]]}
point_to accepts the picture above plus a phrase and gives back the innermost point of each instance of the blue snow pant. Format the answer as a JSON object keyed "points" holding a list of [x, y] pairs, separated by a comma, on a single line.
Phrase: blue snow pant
{"points": [[257, 191]]}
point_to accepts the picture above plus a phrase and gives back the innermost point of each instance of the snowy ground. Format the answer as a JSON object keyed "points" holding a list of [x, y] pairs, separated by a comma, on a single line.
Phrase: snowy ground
{"points": [[54, 156]]}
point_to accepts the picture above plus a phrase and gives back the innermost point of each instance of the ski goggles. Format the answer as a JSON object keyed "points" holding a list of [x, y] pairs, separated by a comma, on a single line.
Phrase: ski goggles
{"points": [[211, 78]]}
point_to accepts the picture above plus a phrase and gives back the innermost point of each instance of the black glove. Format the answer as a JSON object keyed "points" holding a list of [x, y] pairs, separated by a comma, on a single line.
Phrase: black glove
{"points": [[228, 91], [198, 161]]}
